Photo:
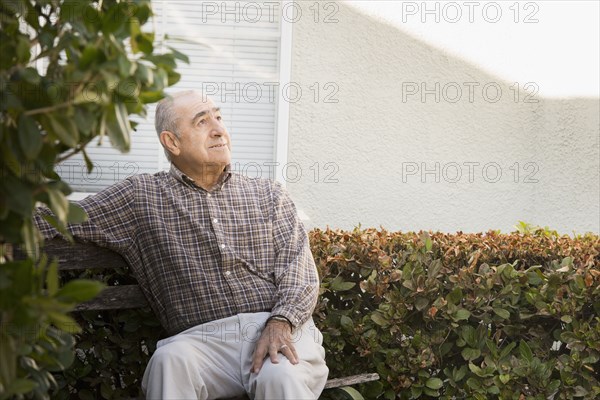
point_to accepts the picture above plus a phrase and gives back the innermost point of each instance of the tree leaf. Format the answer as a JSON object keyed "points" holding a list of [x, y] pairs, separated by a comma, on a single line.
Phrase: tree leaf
{"points": [[173, 77], [428, 244], [379, 319], [88, 56], [60, 227], [351, 393], [338, 285], [525, 351], [144, 74], [502, 313], [63, 128], [346, 323], [434, 383], [179, 55], [19, 195], [461, 314], [434, 268], [30, 239], [21, 386], [125, 66], [145, 42], [59, 204], [52, 278], [89, 165], [30, 75], [506, 351], [470, 354], [566, 319], [134, 30], [79, 290], [77, 214], [455, 296], [16, 7], [151, 97], [458, 374], [493, 389], [580, 391], [8, 360], [421, 303], [113, 19], [30, 137], [23, 49], [63, 322], [117, 124]]}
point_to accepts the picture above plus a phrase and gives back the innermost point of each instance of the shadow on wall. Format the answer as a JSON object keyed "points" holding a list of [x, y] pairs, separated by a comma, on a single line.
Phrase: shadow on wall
{"points": [[414, 138]]}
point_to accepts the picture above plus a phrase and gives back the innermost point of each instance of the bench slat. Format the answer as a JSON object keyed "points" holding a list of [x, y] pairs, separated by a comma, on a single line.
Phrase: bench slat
{"points": [[351, 380], [80, 256]]}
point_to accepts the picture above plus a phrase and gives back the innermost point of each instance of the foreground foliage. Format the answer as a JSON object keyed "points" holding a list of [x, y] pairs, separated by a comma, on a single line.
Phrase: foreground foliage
{"points": [[66, 79], [452, 316]]}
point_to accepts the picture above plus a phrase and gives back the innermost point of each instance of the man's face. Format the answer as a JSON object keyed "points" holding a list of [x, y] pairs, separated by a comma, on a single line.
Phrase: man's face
{"points": [[204, 140]]}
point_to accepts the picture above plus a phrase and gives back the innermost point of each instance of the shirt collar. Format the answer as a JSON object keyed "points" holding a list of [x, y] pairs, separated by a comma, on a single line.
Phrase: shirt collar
{"points": [[183, 178]]}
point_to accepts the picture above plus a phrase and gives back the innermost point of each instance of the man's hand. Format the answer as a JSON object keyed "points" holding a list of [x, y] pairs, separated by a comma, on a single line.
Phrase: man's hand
{"points": [[275, 338]]}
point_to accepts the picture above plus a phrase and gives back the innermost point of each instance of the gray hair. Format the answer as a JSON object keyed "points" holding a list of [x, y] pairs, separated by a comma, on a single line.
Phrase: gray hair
{"points": [[166, 118]]}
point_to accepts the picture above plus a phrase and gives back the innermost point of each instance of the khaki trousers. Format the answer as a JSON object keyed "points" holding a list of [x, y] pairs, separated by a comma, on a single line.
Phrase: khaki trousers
{"points": [[212, 361]]}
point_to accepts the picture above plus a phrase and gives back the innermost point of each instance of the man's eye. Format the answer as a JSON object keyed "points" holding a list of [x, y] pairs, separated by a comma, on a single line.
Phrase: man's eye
{"points": [[219, 118]]}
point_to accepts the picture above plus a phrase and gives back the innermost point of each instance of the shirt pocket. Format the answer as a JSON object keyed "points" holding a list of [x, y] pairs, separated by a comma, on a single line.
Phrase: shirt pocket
{"points": [[254, 249], [264, 272]]}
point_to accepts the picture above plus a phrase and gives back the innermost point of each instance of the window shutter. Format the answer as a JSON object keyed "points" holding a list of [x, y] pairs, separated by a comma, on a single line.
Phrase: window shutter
{"points": [[234, 57]]}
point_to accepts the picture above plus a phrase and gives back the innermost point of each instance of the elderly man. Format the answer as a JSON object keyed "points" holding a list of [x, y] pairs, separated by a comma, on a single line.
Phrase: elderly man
{"points": [[224, 262]]}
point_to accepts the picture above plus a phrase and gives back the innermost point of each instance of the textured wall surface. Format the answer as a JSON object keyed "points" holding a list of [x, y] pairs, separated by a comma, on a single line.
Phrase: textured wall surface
{"points": [[371, 157]]}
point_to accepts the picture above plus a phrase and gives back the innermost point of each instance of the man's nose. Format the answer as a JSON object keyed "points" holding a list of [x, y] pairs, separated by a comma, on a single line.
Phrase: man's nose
{"points": [[217, 129]]}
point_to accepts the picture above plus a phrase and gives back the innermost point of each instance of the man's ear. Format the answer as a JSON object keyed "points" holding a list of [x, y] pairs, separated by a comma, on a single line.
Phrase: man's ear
{"points": [[170, 141]]}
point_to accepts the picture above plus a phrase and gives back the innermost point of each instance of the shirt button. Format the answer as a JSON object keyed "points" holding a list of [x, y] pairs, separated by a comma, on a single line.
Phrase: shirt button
{"points": [[215, 220], [227, 273], [223, 246]]}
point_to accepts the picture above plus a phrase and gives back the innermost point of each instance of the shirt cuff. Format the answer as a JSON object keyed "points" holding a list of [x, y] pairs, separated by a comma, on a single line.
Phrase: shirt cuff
{"points": [[280, 318], [295, 317]]}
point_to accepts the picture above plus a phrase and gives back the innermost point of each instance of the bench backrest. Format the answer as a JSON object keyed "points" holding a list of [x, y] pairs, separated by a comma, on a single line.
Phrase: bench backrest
{"points": [[81, 256]]}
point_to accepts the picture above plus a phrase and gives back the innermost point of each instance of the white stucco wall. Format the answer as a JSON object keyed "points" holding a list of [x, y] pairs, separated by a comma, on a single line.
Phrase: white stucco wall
{"points": [[367, 144]]}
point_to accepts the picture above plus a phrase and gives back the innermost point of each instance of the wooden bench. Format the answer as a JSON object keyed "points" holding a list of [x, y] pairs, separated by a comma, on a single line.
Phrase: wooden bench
{"points": [[82, 256]]}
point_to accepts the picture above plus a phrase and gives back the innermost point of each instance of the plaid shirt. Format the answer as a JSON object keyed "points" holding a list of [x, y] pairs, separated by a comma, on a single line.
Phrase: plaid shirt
{"points": [[201, 256]]}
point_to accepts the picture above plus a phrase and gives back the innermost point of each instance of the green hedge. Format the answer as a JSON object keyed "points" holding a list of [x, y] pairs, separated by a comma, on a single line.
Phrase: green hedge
{"points": [[455, 316]]}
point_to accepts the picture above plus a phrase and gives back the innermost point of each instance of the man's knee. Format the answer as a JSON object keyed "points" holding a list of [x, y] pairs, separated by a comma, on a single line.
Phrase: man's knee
{"points": [[287, 375], [283, 373], [175, 354]]}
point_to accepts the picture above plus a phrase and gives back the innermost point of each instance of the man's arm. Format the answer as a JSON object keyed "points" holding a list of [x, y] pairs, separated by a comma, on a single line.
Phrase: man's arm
{"points": [[296, 275], [297, 283], [110, 221]]}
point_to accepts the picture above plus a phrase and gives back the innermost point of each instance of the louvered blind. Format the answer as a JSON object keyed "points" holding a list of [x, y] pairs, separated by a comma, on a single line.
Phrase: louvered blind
{"points": [[233, 49]]}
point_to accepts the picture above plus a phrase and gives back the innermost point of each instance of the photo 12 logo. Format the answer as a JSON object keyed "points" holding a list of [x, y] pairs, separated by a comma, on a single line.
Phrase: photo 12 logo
{"points": [[453, 12], [290, 172], [454, 92], [269, 92], [454, 172], [268, 11]]}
